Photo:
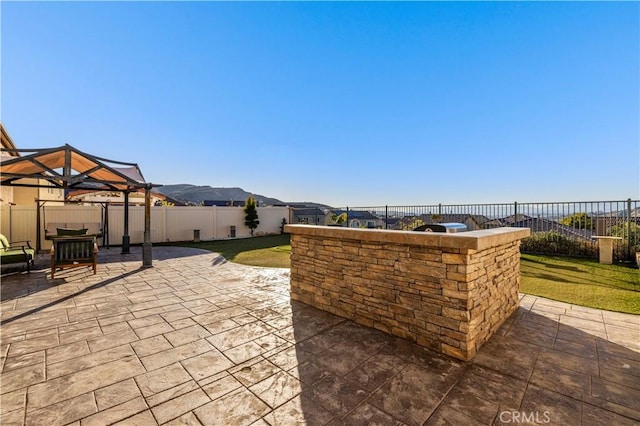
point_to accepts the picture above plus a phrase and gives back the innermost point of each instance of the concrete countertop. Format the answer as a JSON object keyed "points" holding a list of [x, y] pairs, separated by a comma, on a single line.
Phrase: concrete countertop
{"points": [[474, 240]]}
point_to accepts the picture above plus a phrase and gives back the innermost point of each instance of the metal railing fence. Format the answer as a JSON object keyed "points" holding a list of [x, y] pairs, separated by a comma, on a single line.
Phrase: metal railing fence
{"points": [[562, 228]]}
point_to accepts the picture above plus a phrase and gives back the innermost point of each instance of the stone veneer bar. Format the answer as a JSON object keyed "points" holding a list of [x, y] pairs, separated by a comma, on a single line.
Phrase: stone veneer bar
{"points": [[447, 292]]}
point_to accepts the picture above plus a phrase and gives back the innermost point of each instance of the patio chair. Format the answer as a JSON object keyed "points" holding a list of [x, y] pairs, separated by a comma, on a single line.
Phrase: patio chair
{"points": [[75, 251], [16, 252]]}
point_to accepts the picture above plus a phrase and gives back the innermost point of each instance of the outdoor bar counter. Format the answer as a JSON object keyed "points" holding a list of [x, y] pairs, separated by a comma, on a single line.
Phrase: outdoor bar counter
{"points": [[447, 292]]}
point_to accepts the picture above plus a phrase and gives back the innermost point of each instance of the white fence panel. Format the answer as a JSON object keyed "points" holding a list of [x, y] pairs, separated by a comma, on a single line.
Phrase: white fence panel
{"points": [[182, 221], [168, 224], [22, 220], [68, 216], [228, 217], [116, 224], [136, 224], [271, 219]]}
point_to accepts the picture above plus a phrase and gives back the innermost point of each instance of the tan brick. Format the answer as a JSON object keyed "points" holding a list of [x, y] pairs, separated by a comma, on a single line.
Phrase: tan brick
{"points": [[455, 294], [429, 342], [438, 320], [461, 315], [455, 352], [455, 335], [456, 259], [400, 309], [456, 276]]}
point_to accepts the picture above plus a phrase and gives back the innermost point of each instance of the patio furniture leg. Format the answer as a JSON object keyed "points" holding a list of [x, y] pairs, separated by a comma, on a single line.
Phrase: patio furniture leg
{"points": [[53, 267]]}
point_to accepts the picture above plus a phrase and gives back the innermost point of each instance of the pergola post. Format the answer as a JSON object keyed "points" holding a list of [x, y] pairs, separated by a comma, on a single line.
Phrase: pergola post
{"points": [[38, 233], [146, 246], [125, 238]]}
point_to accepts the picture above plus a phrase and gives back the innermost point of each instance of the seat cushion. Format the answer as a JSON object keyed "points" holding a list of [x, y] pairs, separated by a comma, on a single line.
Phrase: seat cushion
{"points": [[17, 255], [67, 232], [3, 241]]}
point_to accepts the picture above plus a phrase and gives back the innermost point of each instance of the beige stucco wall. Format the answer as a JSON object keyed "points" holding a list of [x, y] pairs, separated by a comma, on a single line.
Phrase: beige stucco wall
{"points": [[6, 194], [25, 196]]}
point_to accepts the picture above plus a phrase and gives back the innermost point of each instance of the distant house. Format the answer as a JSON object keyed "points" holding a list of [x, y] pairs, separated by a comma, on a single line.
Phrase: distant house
{"points": [[392, 222], [361, 219], [472, 222], [293, 205], [493, 223], [6, 191], [136, 198], [509, 220], [311, 216], [223, 203], [604, 222], [504, 221], [538, 224], [22, 195]]}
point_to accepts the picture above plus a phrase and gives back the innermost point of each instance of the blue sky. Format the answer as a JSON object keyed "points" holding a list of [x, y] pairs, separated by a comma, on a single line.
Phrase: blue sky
{"points": [[358, 103]]}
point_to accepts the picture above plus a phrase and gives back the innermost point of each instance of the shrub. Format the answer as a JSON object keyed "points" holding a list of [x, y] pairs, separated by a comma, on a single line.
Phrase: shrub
{"points": [[622, 230], [578, 220], [408, 223], [339, 219], [251, 214], [553, 242]]}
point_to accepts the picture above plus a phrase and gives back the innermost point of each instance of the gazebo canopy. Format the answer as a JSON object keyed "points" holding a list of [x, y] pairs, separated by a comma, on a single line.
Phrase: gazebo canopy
{"points": [[68, 168]]}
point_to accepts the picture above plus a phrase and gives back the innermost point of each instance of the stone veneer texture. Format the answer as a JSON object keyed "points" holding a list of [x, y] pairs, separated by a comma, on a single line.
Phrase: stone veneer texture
{"points": [[447, 292]]}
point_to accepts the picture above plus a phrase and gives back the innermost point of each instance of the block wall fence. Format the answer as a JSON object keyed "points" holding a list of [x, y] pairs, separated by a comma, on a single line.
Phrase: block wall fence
{"points": [[447, 292]]}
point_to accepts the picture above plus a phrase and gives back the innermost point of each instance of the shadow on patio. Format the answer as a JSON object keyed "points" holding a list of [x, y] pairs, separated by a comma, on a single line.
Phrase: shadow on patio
{"points": [[197, 341]]}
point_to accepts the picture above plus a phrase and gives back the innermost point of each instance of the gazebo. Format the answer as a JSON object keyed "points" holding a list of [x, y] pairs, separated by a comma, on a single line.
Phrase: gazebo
{"points": [[66, 167]]}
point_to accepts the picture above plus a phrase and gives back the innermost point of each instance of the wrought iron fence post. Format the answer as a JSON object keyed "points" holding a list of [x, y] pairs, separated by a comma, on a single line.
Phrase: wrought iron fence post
{"points": [[439, 209], [515, 212], [386, 217], [347, 221], [629, 254]]}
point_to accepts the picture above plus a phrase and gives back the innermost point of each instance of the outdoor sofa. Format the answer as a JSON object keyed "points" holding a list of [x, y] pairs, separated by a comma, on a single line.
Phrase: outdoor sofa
{"points": [[16, 252]]}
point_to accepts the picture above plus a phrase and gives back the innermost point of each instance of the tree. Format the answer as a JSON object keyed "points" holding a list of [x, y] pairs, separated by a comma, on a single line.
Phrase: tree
{"points": [[412, 224], [577, 220], [339, 218], [251, 214], [622, 230]]}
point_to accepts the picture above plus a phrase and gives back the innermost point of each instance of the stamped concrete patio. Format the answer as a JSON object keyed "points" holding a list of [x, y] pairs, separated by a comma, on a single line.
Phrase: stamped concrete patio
{"points": [[196, 340]]}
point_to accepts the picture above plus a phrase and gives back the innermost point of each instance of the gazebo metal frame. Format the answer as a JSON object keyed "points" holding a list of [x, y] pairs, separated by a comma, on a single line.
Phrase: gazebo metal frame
{"points": [[56, 167]]}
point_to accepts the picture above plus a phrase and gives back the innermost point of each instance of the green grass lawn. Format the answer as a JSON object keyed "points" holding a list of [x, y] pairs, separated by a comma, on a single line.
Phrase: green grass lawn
{"points": [[582, 282], [271, 251], [578, 281]]}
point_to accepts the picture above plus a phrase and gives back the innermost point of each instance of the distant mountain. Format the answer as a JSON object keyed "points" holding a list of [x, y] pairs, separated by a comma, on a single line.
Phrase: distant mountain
{"points": [[194, 194]]}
